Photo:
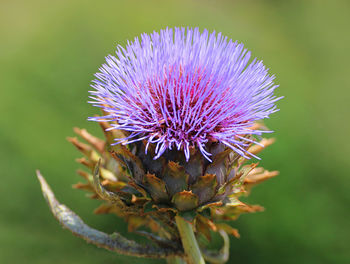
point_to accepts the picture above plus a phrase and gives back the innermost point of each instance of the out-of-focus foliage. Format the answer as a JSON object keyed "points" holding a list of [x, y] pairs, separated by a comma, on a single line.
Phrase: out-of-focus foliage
{"points": [[49, 51]]}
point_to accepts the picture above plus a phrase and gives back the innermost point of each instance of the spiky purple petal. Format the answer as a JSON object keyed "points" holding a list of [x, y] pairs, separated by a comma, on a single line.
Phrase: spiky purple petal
{"points": [[181, 88]]}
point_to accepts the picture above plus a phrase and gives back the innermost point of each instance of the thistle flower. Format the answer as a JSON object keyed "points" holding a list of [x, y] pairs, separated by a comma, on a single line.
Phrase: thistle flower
{"points": [[184, 89], [180, 118]]}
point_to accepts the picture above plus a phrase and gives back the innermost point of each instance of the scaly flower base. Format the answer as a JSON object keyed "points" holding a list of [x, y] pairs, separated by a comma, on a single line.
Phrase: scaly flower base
{"points": [[117, 243], [176, 225]]}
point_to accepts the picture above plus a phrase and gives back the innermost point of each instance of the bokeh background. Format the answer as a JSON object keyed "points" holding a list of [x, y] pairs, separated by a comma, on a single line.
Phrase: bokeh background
{"points": [[49, 51]]}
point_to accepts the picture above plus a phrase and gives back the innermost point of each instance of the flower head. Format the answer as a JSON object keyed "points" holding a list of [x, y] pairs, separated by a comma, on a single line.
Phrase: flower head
{"points": [[182, 88]]}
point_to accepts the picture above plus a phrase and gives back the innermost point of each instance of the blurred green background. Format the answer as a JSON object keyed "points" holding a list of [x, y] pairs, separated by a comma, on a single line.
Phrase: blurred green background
{"points": [[49, 51]]}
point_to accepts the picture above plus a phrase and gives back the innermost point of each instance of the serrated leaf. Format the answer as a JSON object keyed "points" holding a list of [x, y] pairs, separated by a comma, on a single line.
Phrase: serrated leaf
{"points": [[114, 242]]}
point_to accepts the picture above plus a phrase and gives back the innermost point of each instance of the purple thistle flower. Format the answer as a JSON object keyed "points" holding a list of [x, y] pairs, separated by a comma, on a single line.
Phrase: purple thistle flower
{"points": [[184, 88]]}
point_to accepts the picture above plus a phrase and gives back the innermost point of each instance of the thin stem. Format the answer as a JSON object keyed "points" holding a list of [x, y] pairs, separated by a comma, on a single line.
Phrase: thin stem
{"points": [[189, 242], [175, 260]]}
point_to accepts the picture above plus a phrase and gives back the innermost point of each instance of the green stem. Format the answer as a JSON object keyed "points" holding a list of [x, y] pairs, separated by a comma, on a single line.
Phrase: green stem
{"points": [[189, 242], [175, 260]]}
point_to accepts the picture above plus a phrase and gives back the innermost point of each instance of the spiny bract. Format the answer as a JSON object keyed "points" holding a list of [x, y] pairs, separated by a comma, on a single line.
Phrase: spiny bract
{"points": [[150, 193]]}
